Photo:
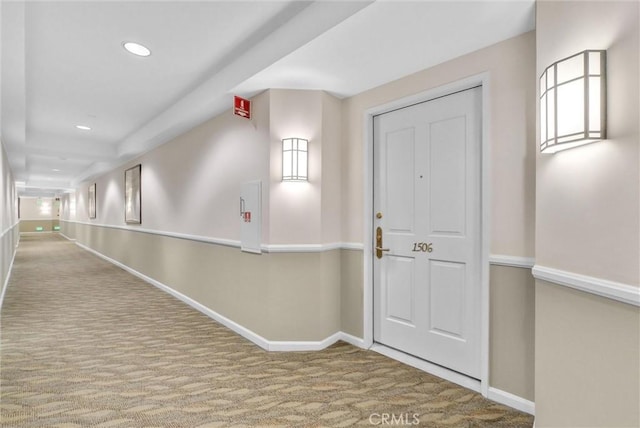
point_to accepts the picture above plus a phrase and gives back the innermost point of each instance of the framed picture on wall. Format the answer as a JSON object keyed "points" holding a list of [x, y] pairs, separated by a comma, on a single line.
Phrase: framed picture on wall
{"points": [[133, 195], [92, 201]]}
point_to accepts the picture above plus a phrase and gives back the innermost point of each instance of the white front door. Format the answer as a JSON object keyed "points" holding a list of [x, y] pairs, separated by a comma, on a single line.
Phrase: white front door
{"points": [[427, 226]]}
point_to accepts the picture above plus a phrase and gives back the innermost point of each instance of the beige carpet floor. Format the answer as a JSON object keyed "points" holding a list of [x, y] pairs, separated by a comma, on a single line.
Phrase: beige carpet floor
{"points": [[85, 344]]}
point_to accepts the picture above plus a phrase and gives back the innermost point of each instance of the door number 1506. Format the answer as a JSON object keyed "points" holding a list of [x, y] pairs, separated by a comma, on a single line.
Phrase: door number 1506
{"points": [[422, 247]]}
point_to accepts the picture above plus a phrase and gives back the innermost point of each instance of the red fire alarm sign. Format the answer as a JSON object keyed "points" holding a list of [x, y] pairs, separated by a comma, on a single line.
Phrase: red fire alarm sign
{"points": [[241, 107]]}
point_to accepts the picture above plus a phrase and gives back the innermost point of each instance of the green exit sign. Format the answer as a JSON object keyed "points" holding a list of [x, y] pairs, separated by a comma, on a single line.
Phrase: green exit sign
{"points": [[39, 229]]}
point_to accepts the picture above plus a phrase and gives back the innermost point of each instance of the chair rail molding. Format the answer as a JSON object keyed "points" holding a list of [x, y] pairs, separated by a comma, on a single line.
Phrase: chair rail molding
{"points": [[267, 248], [512, 261], [601, 287]]}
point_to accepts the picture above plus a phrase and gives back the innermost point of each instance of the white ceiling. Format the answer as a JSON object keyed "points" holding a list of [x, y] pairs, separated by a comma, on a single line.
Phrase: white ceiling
{"points": [[63, 64]]}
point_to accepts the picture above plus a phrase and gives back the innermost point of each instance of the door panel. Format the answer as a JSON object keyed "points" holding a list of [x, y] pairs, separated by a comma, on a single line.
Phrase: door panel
{"points": [[399, 175], [400, 302], [447, 284], [427, 194], [447, 165]]}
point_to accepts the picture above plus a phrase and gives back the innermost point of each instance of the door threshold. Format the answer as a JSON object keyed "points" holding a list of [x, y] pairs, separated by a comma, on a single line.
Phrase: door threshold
{"points": [[434, 369]]}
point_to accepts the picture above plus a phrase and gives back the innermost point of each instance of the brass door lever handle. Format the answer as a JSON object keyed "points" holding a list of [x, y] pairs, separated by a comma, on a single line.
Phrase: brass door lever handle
{"points": [[379, 248]]}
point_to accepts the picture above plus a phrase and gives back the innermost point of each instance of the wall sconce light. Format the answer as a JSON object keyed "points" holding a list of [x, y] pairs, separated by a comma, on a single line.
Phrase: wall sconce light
{"points": [[294, 159], [573, 102]]}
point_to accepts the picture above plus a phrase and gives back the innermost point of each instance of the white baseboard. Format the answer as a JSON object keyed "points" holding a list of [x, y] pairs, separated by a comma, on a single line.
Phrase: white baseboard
{"points": [[66, 237], [38, 233], [353, 340], [232, 325], [512, 261], [511, 400], [267, 345], [288, 346]]}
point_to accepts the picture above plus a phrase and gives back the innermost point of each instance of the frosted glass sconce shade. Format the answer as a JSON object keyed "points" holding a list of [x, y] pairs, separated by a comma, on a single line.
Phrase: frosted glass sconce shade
{"points": [[294, 159], [573, 102]]}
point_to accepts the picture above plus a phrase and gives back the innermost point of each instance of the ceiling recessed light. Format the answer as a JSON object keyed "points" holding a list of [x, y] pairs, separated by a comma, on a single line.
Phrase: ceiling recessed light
{"points": [[83, 127], [55, 170], [136, 49]]}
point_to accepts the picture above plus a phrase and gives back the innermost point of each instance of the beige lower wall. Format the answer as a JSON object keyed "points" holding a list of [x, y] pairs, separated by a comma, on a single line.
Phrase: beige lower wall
{"points": [[279, 296], [28, 226], [304, 295], [512, 330], [587, 359], [68, 229], [307, 296], [352, 298], [8, 244]]}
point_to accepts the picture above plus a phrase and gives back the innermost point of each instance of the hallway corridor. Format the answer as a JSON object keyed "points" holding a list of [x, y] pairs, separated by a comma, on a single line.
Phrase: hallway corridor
{"points": [[84, 344]]}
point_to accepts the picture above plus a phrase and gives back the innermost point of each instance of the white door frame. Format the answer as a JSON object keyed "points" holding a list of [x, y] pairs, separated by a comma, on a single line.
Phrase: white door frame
{"points": [[467, 83]]}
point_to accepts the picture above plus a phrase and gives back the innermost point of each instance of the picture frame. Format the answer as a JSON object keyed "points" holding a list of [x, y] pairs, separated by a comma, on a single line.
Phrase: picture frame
{"points": [[133, 195], [92, 201]]}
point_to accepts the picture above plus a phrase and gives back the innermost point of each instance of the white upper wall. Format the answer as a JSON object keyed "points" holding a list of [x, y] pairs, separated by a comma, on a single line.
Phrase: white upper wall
{"points": [[8, 212], [295, 214], [511, 67], [191, 185], [35, 208], [332, 184], [588, 198]]}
